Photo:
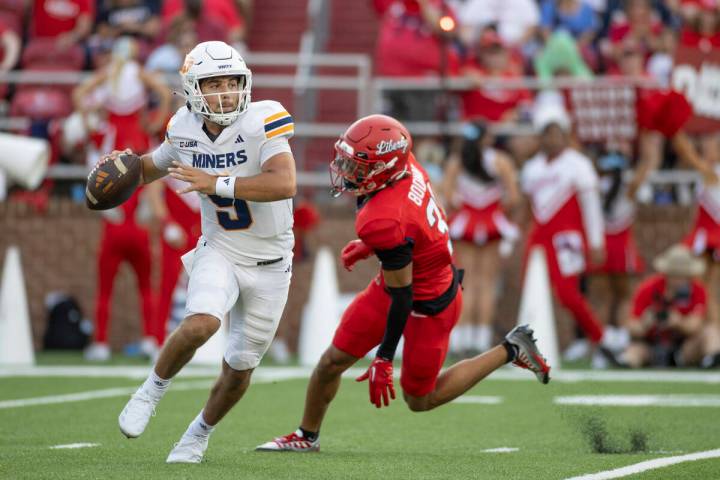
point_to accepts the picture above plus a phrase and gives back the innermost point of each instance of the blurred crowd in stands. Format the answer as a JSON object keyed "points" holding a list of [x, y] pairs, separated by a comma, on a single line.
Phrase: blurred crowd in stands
{"points": [[506, 39]]}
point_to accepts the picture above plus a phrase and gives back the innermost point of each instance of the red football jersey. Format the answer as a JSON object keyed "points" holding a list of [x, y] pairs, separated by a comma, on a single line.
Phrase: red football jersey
{"points": [[407, 211]]}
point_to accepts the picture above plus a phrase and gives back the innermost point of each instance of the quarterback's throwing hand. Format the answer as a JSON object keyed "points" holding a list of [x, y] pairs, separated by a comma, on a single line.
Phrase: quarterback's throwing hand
{"points": [[380, 381], [198, 181], [354, 251]]}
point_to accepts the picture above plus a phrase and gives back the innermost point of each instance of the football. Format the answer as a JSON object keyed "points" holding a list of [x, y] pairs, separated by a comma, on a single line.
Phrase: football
{"points": [[112, 181]]}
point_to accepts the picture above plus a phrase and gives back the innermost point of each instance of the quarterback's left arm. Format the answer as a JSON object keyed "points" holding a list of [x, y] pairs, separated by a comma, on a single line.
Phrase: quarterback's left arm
{"points": [[276, 181]]}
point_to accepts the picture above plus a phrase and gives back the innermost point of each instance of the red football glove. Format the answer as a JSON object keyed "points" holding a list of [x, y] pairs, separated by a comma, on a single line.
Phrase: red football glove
{"points": [[354, 251], [380, 376]]}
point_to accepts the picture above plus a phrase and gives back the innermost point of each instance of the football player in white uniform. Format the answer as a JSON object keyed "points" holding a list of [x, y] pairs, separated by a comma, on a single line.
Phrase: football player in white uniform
{"points": [[235, 154]]}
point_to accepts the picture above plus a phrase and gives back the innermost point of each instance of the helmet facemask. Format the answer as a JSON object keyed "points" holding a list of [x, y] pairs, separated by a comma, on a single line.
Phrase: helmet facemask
{"points": [[198, 100], [353, 172]]}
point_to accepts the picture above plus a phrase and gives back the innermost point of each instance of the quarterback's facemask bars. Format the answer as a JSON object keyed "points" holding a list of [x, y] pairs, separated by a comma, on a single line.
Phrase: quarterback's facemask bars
{"points": [[199, 103]]}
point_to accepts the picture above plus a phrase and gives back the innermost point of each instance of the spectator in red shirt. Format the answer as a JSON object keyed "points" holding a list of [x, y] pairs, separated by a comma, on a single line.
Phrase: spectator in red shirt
{"points": [[668, 322], [701, 24], [207, 27], [640, 23], [409, 42], [492, 60], [214, 19], [68, 21]]}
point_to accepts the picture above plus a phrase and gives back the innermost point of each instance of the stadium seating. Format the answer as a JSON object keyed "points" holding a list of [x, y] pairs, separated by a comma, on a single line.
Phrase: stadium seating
{"points": [[41, 103], [16, 7], [12, 21], [278, 26], [41, 53]]}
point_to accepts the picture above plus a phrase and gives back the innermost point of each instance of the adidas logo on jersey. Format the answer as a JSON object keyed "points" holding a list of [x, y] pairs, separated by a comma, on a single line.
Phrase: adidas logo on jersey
{"points": [[239, 139]]}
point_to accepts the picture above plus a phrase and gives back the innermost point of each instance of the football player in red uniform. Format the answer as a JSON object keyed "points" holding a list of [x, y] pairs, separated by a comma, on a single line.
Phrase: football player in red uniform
{"points": [[417, 293]]}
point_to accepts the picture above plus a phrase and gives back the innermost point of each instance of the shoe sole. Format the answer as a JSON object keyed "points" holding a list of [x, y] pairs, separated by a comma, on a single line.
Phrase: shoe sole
{"points": [[128, 435], [286, 450]]}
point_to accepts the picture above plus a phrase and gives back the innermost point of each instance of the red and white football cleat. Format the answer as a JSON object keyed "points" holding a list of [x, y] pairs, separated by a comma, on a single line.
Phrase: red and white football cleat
{"points": [[290, 443]]}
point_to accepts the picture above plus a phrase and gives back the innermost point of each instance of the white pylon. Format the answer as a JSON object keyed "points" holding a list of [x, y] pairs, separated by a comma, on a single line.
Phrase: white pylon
{"points": [[16, 345]]}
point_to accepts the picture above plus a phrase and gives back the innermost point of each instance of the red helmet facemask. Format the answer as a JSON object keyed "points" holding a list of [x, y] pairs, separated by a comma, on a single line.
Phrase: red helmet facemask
{"points": [[371, 154]]}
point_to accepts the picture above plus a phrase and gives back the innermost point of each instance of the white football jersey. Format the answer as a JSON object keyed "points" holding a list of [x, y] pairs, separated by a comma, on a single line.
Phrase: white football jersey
{"points": [[550, 185], [245, 232]]}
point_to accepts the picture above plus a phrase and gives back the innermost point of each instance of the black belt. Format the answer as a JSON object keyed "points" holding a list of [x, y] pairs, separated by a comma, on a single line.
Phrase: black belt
{"points": [[436, 305], [269, 262]]}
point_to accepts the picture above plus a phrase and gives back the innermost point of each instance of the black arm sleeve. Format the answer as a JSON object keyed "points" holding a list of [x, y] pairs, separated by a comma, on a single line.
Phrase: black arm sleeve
{"points": [[400, 308], [396, 258]]}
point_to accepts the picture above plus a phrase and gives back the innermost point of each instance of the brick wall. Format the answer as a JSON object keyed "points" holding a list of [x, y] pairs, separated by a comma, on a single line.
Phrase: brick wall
{"points": [[59, 251]]}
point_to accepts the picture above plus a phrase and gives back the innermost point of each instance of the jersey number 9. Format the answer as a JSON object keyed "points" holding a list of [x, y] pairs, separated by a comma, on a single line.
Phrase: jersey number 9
{"points": [[238, 218]]}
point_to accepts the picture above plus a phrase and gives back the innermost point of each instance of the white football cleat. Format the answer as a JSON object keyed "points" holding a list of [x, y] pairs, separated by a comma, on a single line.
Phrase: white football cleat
{"points": [[137, 412], [190, 449], [97, 352]]}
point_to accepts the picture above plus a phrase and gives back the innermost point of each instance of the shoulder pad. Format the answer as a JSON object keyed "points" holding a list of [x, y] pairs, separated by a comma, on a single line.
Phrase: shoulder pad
{"points": [[175, 123], [268, 119], [382, 234]]}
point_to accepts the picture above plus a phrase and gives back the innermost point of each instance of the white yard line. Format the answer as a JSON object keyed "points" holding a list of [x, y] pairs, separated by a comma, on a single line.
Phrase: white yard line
{"points": [[93, 394], [74, 445], [508, 373], [482, 399], [671, 400], [648, 465], [500, 450], [260, 376]]}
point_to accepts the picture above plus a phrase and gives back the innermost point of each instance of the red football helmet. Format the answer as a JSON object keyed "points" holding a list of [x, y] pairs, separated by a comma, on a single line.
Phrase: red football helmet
{"points": [[371, 154]]}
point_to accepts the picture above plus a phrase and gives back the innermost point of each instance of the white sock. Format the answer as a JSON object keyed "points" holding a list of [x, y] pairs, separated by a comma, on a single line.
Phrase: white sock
{"points": [[482, 334], [199, 427], [155, 386]]}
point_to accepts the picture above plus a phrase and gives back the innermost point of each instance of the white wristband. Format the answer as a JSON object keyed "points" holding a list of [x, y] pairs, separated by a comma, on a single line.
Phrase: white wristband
{"points": [[225, 187]]}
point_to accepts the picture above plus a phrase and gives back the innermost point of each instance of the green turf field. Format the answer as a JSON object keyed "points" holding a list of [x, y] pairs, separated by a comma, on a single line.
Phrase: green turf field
{"points": [[358, 441]]}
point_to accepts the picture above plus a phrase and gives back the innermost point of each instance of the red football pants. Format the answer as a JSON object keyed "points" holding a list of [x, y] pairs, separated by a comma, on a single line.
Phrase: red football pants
{"points": [[123, 243], [567, 291], [426, 338]]}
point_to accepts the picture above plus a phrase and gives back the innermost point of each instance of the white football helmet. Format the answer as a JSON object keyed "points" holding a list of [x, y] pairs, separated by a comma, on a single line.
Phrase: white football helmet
{"points": [[214, 59]]}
